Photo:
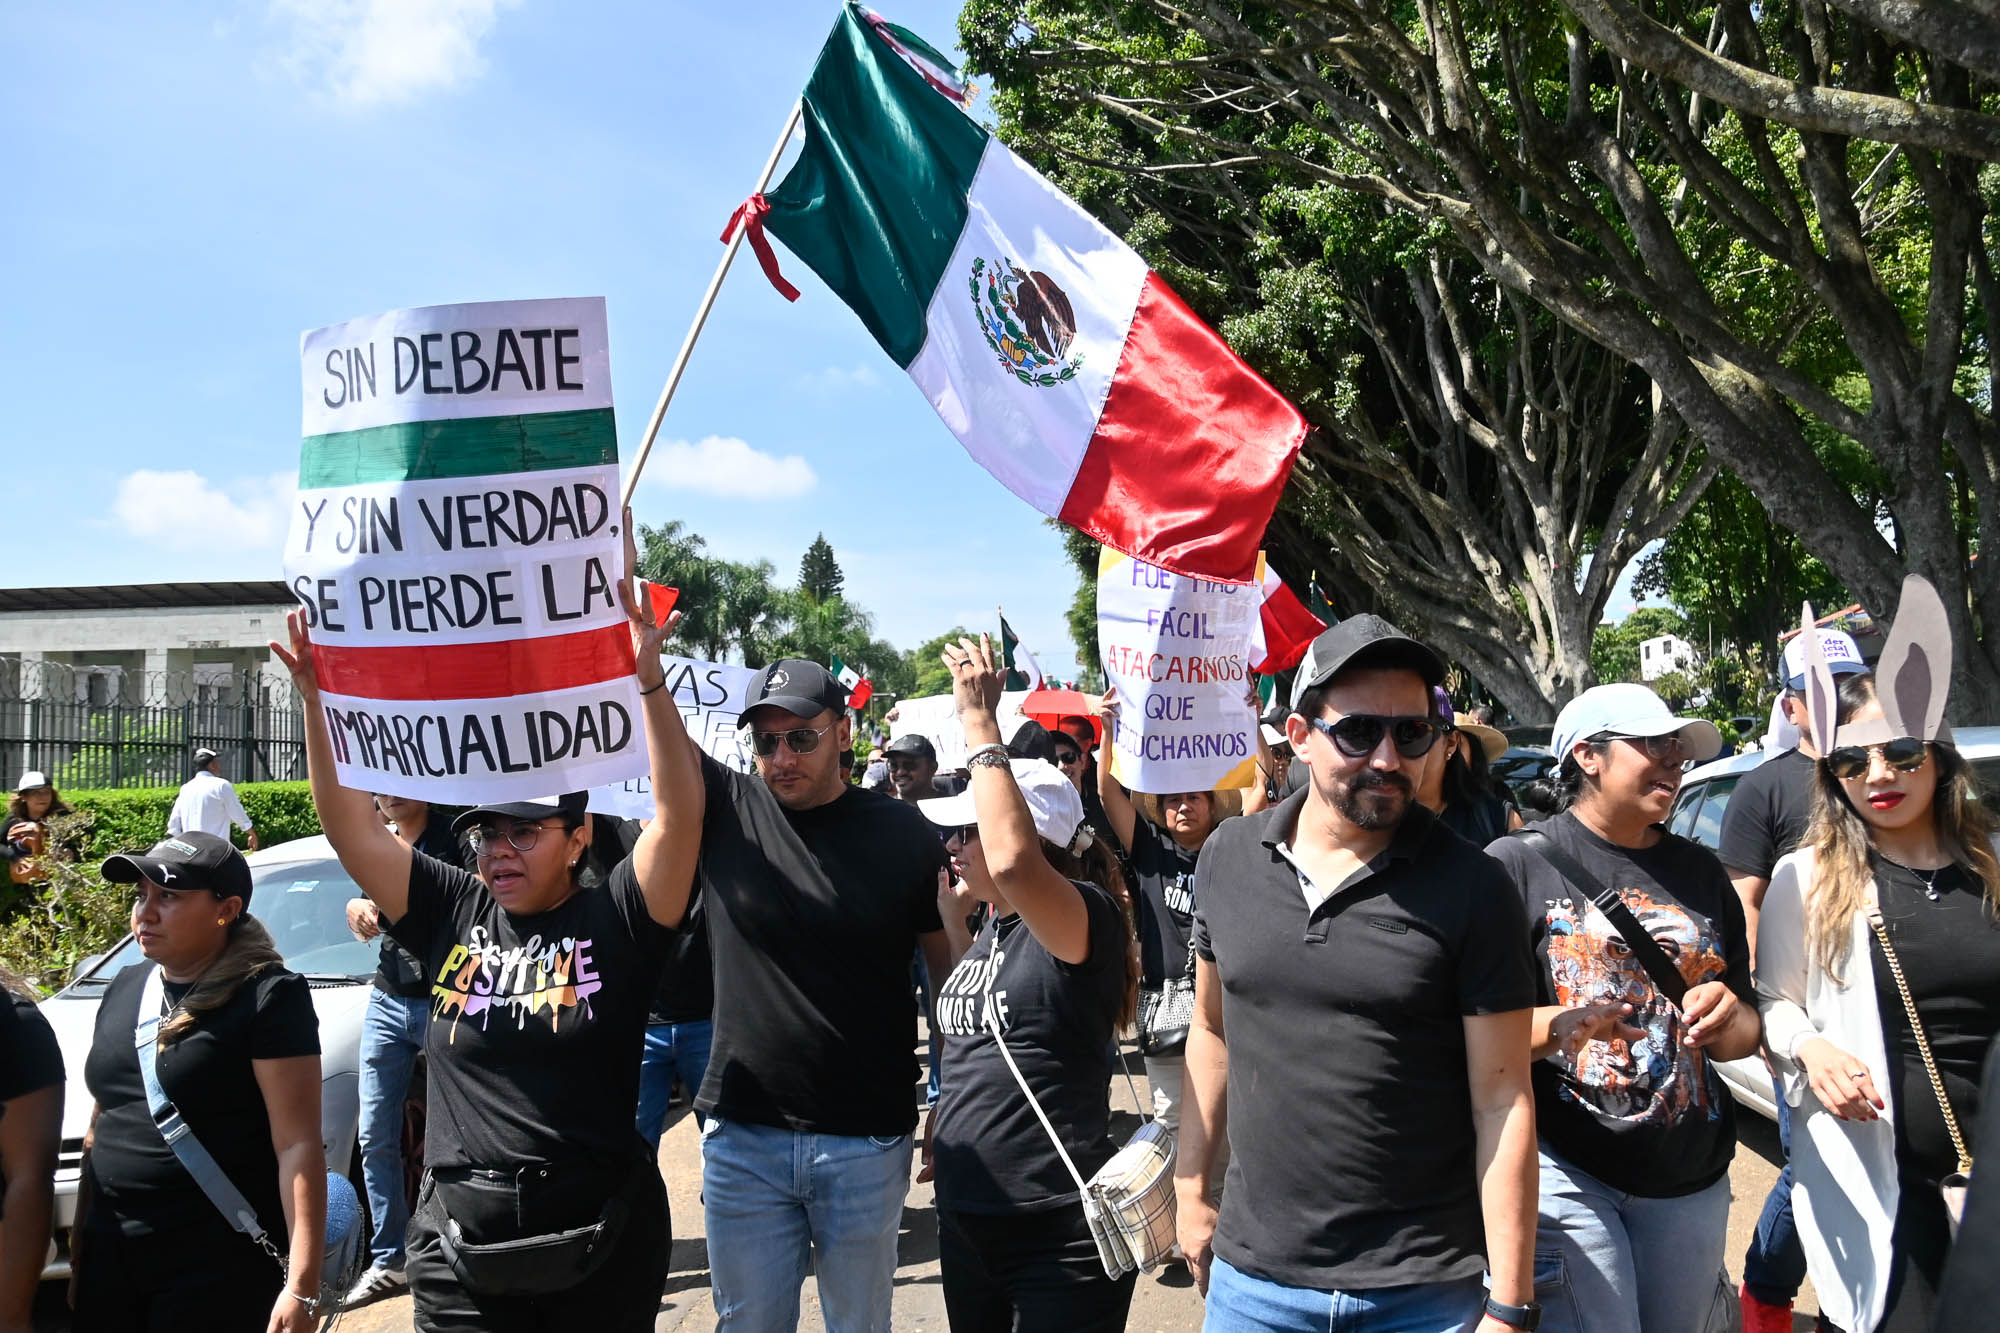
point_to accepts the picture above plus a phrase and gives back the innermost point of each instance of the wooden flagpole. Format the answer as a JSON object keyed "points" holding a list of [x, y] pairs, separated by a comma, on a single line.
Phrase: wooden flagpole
{"points": [[701, 312]]}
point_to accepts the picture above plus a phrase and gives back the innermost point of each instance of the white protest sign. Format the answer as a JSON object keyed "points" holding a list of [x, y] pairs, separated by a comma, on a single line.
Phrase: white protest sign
{"points": [[1178, 651], [456, 543], [711, 696], [935, 717]]}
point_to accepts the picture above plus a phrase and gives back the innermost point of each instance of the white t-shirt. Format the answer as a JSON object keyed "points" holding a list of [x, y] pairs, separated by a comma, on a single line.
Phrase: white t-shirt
{"points": [[207, 804]]}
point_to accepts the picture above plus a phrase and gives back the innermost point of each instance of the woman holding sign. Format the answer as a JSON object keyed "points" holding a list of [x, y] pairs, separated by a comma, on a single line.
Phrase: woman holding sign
{"points": [[541, 1204]]}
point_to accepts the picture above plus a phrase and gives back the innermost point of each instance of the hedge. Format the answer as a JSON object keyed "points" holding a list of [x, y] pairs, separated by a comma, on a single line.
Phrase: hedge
{"points": [[125, 819]]}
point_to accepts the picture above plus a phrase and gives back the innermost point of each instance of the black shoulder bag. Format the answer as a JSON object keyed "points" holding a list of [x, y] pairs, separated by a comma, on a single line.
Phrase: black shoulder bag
{"points": [[1585, 887]]}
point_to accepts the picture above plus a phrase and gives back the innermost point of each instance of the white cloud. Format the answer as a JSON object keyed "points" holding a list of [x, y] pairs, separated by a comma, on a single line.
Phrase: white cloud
{"points": [[726, 466], [834, 379], [377, 52], [185, 511]]}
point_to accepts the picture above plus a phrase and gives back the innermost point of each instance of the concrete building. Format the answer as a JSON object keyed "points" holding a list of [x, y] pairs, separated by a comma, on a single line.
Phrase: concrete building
{"points": [[139, 643], [1664, 655]]}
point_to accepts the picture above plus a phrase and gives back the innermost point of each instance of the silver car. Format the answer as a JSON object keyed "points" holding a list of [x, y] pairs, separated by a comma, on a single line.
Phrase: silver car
{"points": [[1697, 814], [301, 897]]}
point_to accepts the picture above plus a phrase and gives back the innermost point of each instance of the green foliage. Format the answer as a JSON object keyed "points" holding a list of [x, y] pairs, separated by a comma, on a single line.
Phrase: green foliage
{"points": [[819, 573], [1614, 649], [726, 607], [128, 819], [1082, 614], [928, 673]]}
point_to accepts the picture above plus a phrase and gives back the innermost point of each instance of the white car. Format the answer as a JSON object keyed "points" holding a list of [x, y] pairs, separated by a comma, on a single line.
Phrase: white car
{"points": [[301, 897], [1697, 814]]}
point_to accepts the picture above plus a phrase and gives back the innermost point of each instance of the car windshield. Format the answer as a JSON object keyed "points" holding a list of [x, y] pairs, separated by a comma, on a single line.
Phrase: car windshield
{"points": [[304, 906]]}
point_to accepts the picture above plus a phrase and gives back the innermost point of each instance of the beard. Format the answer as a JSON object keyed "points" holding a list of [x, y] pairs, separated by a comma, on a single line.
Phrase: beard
{"points": [[1372, 799]]}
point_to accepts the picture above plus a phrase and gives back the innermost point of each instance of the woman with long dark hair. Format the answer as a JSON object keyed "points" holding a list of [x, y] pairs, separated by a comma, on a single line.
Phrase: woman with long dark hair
{"points": [[237, 1053], [541, 1205], [1052, 974], [1889, 906]]}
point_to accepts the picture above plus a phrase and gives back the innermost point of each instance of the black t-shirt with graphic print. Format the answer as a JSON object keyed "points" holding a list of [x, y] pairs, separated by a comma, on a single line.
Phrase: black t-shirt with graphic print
{"points": [[1165, 871], [812, 918], [537, 1022], [1650, 1117], [993, 1156]]}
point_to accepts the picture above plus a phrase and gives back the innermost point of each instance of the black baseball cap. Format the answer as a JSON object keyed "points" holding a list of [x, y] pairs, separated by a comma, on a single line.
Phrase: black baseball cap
{"points": [[186, 860], [1369, 641], [541, 807], [802, 688], [912, 743]]}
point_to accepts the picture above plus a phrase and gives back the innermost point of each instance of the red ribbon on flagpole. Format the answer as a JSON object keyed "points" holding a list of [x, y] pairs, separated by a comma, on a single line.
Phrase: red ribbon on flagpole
{"points": [[750, 216]]}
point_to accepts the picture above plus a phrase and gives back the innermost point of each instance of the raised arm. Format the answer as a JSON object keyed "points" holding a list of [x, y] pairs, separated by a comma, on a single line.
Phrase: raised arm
{"points": [[1048, 903], [378, 860], [1111, 793], [664, 857]]}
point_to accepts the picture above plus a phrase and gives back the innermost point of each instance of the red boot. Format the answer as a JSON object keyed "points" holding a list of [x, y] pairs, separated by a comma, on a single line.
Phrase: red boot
{"points": [[1763, 1317]]}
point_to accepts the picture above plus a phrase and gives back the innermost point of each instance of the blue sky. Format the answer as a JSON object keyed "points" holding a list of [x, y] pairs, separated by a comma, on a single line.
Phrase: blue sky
{"points": [[189, 191]]}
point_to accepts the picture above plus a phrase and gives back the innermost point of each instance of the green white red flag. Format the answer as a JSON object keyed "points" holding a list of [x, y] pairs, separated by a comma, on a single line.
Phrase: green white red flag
{"points": [[1065, 366], [1285, 628], [859, 690]]}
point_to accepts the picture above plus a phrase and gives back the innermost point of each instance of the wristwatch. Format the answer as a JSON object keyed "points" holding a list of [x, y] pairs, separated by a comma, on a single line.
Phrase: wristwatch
{"points": [[1526, 1317]]}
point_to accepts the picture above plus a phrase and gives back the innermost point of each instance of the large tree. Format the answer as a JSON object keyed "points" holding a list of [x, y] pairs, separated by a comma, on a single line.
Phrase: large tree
{"points": [[819, 573], [1780, 212]]}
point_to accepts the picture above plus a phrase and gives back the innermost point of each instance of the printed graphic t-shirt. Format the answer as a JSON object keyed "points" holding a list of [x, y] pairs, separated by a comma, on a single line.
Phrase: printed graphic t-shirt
{"points": [[993, 1156], [1165, 871], [537, 1022], [812, 918], [142, 1187], [1650, 1117]]}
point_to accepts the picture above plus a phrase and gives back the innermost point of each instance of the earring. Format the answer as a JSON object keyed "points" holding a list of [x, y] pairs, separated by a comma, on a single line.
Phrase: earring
{"points": [[222, 921]]}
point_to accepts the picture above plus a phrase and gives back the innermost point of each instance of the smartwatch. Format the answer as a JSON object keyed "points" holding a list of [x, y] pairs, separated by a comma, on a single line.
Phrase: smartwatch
{"points": [[1527, 1317]]}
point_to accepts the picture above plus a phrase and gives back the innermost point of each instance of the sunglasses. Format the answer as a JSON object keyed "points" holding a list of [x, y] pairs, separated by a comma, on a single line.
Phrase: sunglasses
{"points": [[799, 740], [1064, 758], [964, 833], [486, 838], [1358, 734], [1905, 754]]}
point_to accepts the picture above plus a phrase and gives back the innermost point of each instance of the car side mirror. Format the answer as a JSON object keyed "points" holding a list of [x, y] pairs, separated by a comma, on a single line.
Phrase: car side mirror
{"points": [[84, 965]]}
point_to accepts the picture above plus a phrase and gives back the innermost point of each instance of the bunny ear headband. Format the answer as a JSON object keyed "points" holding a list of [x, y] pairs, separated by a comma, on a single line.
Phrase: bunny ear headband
{"points": [[1912, 678]]}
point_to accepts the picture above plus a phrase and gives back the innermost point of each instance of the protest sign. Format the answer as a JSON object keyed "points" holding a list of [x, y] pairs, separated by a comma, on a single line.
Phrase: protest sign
{"points": [[711, 697], [1178, 651], [935, 717], [456, 544]]}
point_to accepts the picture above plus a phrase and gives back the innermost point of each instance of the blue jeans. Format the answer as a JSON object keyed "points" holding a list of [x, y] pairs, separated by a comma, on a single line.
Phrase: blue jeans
{"points": [[776, 1197], [1774, 1266], [1240, 1303], [673, 1050], [392, 1034], [1611, 1262]]}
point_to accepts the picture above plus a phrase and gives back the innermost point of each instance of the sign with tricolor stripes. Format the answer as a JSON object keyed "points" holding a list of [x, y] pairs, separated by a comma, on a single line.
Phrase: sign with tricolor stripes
{"points": [[457, 544], [1178, 650]]}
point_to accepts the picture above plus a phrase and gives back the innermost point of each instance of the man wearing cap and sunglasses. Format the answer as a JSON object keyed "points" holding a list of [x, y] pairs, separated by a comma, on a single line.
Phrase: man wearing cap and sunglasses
{"points": [[816, 894], [1362, 1002]]}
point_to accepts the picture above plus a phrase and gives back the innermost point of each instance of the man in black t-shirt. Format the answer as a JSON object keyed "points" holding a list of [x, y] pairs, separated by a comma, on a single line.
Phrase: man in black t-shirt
{"points": [[1361, 1031], [815, 895], [1766, 818]]}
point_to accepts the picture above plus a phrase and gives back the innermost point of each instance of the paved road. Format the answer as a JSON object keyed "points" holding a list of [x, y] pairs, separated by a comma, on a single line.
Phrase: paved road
{"points": [[1166, 1304]]}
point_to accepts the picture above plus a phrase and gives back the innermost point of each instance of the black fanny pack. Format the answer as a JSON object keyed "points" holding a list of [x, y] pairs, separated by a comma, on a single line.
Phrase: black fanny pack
{"points": [[531, 1265]]}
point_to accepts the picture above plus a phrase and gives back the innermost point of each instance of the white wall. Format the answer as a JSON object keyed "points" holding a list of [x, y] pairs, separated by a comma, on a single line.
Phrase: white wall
{"points": [[123, 630]]}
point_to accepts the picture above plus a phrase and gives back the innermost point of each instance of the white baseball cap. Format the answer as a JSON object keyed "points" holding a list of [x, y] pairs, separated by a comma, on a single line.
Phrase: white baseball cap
{"points": [[31, 780], [1630, 710], [1053, 802], [1842, 654]]}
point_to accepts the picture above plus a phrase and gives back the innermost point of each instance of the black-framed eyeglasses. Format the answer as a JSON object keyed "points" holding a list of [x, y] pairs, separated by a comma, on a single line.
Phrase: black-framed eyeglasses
{"points": [[1358, 734], [486, 838], [799, 740], [1905, 754], [1660, 749]]}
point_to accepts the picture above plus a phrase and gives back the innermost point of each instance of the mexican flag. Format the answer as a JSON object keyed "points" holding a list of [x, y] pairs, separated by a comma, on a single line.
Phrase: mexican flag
{"points": [[1065, 367], [1285, 628], [859, 691], [1023, 671]]}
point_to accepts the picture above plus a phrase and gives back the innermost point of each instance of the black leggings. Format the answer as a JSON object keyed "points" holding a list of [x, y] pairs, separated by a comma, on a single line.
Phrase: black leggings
{"points": [[1028, 1273], [622, 1294], [199, 1277]]}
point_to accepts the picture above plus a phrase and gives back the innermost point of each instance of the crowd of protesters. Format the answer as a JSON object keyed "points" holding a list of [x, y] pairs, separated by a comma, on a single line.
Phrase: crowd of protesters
{"points": [[1421, 1068]]}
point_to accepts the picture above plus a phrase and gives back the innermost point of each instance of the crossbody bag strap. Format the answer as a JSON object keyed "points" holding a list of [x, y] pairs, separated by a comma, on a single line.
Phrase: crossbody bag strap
{"points": [[1000, 1040], [207, 1172], [1666, 978], [1917, 1031]]}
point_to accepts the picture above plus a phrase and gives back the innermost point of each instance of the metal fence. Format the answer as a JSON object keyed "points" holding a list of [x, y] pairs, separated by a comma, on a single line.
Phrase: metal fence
{"points": [[142, 729]]}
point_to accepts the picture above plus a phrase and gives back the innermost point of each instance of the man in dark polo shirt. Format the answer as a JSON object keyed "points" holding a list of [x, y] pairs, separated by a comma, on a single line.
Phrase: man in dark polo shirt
{"points": [[1361, 1034]]}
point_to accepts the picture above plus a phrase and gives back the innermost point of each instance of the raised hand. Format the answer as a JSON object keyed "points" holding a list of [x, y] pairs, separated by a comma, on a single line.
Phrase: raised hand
{"points": [[975, 680], [299, 659], [649, 637]]}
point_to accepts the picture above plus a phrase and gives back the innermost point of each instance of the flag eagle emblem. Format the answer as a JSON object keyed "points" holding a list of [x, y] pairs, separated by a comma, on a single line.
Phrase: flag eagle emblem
{"points": [[1028, 322]]}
